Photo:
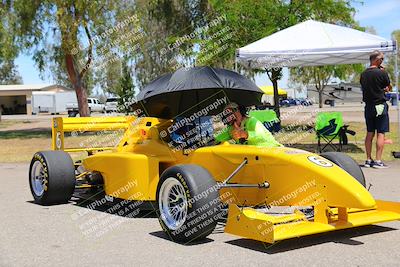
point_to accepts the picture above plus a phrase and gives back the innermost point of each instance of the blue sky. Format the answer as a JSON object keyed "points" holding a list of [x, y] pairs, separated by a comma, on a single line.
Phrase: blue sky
{"points": [[384, 16]]}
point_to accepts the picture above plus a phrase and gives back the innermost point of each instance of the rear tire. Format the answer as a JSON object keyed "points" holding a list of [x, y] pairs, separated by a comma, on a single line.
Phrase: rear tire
{"points": [[51, 177], [188, 203], [346, 163]]}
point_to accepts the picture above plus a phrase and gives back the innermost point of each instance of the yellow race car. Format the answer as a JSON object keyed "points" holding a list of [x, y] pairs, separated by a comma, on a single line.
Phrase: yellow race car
{"points": [[266, 194]]}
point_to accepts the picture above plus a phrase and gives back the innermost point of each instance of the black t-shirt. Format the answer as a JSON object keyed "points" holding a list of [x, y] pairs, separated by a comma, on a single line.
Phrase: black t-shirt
{"points": [[373, 82]]}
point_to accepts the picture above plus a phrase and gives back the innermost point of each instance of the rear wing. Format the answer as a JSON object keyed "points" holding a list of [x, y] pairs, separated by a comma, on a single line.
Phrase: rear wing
{"points": [[60, 126]]}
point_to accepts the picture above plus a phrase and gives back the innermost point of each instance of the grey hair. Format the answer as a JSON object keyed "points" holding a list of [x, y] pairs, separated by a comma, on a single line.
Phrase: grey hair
{"points": [[374, 55]]}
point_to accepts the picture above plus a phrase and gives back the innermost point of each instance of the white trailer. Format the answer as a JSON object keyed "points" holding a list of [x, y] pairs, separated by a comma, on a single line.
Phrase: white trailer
{"points": [[52, 102]]}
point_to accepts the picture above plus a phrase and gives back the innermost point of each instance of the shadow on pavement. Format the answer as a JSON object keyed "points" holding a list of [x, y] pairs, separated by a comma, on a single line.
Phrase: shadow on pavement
{"points": [[163, 235], [341, 236], [118, 207], [46, 206]]}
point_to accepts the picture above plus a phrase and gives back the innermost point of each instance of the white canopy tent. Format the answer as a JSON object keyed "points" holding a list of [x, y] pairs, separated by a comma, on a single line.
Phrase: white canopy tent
{"points": [[314, 43]]}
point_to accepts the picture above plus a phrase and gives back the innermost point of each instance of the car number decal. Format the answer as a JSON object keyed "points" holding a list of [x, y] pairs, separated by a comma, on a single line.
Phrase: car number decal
{"points": [[320, 161]]}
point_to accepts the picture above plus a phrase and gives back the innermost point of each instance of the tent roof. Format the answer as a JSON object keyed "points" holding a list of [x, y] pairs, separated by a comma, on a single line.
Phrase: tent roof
{"points": [[269, 90], [313, 43]]}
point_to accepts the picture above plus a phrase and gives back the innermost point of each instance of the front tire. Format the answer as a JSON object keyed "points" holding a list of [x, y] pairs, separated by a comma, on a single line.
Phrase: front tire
{"points": [[188, 203], [51, 177], [346, 163]]}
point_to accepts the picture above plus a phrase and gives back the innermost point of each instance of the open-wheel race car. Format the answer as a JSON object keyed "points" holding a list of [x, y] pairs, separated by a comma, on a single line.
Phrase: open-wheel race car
{"points": [[262, 193]]}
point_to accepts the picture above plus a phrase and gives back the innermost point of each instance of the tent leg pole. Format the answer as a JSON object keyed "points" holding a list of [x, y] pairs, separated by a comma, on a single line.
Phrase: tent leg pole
{"points": [[396, 77]]}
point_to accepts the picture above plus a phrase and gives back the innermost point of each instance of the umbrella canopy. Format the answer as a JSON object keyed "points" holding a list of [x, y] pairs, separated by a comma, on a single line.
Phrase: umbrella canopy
{"points": [[189, 90], [313, 43]]}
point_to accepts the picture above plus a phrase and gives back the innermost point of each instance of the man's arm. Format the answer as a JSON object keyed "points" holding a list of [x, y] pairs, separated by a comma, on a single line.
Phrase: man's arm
{"points": [[387, 86], [223, 135]]}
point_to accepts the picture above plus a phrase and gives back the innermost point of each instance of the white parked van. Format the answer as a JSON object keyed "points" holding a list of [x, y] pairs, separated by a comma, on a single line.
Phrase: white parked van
{"points": [[52, 102]]}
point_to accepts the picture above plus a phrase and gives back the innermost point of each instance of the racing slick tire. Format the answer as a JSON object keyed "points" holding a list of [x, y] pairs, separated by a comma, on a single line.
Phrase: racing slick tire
{"points": [[346, 163], [189, 204], [51, 177]]}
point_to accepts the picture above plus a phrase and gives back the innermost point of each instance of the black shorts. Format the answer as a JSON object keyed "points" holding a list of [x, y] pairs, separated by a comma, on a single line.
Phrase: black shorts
{"points": [[380, 123]]}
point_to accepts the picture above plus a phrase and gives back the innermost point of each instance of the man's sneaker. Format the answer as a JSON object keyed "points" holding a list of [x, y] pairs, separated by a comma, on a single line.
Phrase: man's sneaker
{"points": [[368, 163], [379, 165]]}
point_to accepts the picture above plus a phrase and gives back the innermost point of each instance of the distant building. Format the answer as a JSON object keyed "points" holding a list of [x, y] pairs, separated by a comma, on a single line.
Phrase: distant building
{"points": [[297, 92], [341, 93], [17, 99]]}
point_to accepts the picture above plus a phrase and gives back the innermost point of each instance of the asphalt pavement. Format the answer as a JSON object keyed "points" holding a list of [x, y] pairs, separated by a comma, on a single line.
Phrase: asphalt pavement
{"points": [[33, 235]]}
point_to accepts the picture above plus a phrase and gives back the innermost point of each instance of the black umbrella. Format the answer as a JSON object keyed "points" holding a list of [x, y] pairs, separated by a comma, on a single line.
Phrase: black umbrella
{"points": [[191, 90]]}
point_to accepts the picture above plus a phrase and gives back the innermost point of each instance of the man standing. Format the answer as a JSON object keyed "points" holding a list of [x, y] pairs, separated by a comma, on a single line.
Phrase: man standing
{"points": [[374, 82]]}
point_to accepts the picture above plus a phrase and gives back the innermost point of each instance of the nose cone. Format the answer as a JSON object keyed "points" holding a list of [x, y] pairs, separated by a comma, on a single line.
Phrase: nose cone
{"points": [[360, 198], [343, 190], [337, 186]]}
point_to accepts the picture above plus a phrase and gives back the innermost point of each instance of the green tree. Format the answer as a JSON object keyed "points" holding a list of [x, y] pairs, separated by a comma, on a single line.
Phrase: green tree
{"points": [[110, 78], [9, 73], [8, 47], [391, 62], [165, 24], [67, 36], [126, 88], [62, 34], [251, 20]]}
